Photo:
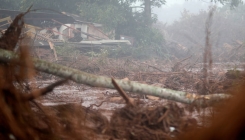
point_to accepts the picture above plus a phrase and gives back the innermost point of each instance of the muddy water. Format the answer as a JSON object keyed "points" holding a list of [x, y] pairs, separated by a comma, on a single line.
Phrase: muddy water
{"points": [[95, 98]]}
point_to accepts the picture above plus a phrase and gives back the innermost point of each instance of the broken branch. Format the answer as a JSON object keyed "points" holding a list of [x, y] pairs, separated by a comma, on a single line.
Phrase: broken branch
{"points": [[43, 91], [122, 93]]}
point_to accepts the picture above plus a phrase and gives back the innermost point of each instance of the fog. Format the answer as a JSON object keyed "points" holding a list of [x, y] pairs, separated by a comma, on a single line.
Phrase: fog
{"points": [[171, 11], [184, 25]]}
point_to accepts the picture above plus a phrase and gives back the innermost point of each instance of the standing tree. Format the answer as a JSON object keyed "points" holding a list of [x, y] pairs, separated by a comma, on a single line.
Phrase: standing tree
{"points": [[148, 5]]}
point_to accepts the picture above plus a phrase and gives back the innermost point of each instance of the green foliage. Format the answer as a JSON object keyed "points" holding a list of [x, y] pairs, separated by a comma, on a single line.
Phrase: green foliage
{"points": [[109, 14]]}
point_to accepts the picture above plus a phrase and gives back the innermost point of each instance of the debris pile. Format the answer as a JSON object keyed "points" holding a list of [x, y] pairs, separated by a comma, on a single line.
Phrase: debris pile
{"points": [[162, 122]]}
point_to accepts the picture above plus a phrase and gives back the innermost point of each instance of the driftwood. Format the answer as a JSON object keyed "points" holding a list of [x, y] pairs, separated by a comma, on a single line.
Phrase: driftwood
{"points": [[106, 82]]}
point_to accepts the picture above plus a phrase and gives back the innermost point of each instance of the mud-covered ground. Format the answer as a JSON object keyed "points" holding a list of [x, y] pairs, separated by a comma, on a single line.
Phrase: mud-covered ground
{"points": [[168, 117], [222, 76]]}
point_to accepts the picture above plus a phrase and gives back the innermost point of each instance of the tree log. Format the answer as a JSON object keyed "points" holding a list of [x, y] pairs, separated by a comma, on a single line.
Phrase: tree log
{"points": [[102, 81]]}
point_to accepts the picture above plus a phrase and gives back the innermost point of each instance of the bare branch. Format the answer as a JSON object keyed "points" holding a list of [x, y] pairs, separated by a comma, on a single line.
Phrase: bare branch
{"points": [[43, 91]]}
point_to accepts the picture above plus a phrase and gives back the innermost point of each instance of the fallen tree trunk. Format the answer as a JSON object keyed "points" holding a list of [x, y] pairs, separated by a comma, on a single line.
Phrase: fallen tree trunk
{"points": [[106, 82]]}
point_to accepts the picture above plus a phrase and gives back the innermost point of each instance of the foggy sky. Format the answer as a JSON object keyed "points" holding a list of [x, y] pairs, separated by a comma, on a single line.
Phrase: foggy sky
{"points": [[172, 9]]}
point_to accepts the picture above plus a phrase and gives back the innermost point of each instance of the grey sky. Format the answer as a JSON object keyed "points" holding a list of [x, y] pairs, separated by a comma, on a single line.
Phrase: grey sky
{"points": [[173, 8]]}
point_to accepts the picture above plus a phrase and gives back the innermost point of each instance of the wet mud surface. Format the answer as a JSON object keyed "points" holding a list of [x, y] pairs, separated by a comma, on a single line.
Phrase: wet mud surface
{"points": [[108, 100]]}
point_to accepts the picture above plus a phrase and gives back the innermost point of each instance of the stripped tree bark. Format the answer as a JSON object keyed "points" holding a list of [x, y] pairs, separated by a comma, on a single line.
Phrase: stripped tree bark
{"points": [[106, 82]]}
